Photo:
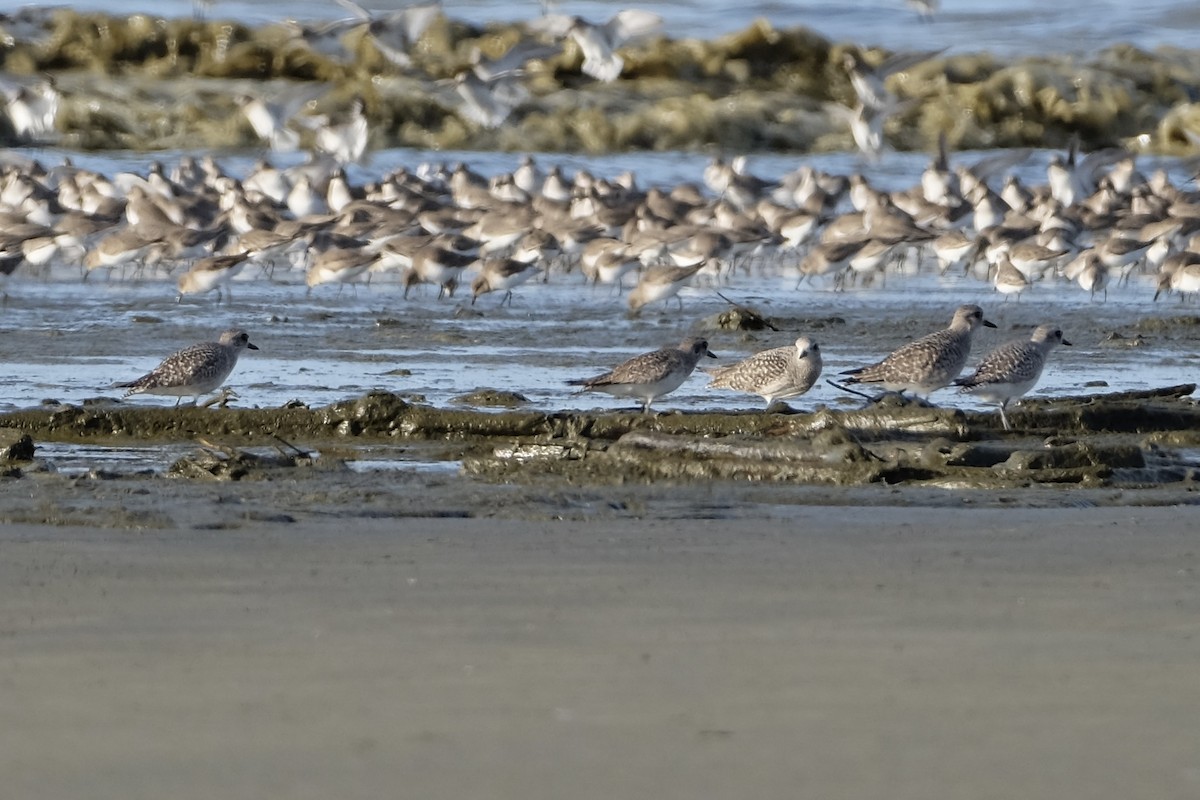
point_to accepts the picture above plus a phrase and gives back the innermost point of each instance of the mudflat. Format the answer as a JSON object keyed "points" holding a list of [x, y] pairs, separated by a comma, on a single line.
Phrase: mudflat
{"points": [[821, 652]]}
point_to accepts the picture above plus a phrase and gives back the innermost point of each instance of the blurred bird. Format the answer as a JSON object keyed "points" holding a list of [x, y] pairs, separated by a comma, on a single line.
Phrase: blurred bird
{"points": [[599, 43], [870, 83], [345, 142], [394, 33], [30, 107], [271, 119]]}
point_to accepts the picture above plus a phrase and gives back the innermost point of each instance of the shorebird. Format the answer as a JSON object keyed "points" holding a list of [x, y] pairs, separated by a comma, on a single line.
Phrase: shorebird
{"points": [[606, 261], [1180, 273], [599, 43], [487, 102], [1011, 370], [322, 38], [30, 107], [489, 90], [194, 370], [271, 118], [829, 258], [395, 32], [434, 263], [501, 275], [210, 273], [777, 374], [1089, 272], [1008, 279], [955, 250], [651, 375], [925, 8], [660, 283], [339, 264], [345, 142], [870, 82], [929, 363]]}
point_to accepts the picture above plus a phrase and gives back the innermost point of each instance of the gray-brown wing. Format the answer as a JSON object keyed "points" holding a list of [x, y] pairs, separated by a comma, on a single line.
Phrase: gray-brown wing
{"points": [[194, 364], [757, 371], [1015, 362], [649, 367], [932, 353]]}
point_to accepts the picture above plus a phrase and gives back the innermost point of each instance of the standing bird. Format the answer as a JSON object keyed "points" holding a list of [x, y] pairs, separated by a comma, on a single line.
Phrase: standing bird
{"points": [[1012, 369], [209, 274], [501, 275], [194, 370], [777, 374], [660, 282], [650, 375], [929, 363]]}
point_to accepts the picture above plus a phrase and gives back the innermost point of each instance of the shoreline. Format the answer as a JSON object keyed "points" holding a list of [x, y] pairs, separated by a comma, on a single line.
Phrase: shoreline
{"points": [[845, 651], [350, 458]]}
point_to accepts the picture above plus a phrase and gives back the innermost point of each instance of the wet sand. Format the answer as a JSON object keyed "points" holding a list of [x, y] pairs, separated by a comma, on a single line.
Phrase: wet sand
{"points": [[906, 653]]}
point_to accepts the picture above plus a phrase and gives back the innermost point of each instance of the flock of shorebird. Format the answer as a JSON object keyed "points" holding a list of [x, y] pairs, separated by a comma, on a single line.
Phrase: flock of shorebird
{"points": [[781, 373], [920, 367]]}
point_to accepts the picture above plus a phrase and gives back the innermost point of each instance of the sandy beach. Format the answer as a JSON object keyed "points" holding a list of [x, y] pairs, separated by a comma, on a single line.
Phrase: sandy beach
{"points": [[851, 652]]}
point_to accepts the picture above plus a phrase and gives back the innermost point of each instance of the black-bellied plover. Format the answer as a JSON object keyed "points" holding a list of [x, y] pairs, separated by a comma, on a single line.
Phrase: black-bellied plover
{"points": [[194, 370], [929, 363], [650, 375], [780, 373], [1012, 369]]}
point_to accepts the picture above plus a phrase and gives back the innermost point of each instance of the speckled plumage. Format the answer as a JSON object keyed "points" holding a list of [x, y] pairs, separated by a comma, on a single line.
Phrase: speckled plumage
{"points": [[650, 375], [195, 370], [1012, 369], [929, 363], [776, 374]]}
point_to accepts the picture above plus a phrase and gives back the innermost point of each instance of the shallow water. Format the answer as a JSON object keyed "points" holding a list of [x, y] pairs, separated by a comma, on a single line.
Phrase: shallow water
{"points": [[67, 340]]}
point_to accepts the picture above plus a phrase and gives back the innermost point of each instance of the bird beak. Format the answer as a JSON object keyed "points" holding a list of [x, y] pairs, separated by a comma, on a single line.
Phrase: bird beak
{"points": [[711, 354], [987, 323], [251, 346], [1068, 344]]}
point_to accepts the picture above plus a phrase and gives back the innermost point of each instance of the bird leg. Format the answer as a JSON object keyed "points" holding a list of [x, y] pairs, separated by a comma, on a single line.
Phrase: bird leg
{"points": [[1004, 417]]}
